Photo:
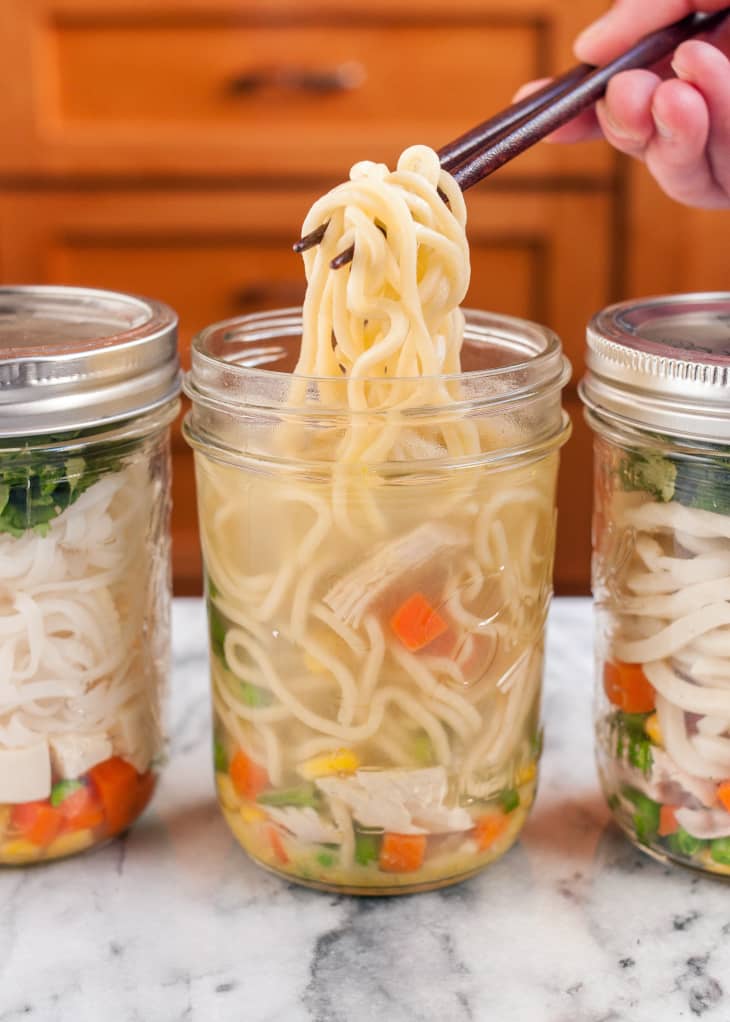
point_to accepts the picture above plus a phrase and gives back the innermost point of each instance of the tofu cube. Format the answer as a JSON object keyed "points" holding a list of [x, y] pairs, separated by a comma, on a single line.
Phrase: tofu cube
{"points": [[73, 755], [25, 774]]}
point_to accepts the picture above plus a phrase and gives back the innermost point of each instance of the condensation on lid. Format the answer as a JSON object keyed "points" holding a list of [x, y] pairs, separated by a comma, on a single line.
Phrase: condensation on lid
{"points": [[664, 363]]}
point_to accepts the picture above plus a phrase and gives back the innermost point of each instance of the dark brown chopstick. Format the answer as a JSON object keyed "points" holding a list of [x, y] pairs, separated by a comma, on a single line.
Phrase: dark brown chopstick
{"points": [[479, 152]]}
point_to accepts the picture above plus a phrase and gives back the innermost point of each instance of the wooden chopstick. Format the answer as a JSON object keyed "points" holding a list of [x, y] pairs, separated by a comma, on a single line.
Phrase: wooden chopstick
{"points": [[479, 152]]}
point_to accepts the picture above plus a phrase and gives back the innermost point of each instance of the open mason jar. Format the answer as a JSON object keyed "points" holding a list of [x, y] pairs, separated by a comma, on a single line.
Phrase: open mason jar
{"points": [[377, 584], [657, 394], [88, 387]]}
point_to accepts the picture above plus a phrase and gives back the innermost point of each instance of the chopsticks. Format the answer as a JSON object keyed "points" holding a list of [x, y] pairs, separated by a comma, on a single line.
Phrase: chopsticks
{"points": [[487, 147]]}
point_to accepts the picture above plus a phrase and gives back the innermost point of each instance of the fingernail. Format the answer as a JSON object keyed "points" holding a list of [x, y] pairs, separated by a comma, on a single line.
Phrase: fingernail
{"points": [[662, 128], [617, 130], [680, 72]]}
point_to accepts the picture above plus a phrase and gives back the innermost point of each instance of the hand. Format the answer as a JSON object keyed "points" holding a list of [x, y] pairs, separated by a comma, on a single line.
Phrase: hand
{"points": [[674, 118]]}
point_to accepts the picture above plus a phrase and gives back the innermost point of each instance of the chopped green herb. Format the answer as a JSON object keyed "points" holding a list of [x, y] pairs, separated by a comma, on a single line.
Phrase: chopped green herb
{"points": [[367, 847], [254, 696], [422, 749], [220, 758], [720, 850], [509, 799], [301, 795], [650, 472], [61, 791], [326, 859], [218, 629], [537, 743], [646, 816], [682, 843]]}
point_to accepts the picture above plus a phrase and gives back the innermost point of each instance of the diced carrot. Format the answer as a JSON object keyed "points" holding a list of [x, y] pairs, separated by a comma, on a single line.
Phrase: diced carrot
{"points": [[667, 821], [249, 778], [402, 853], [416, 623], [488, 828], [82, 810], [723, 794], [116, 782], [38, 822], [627, 687], [277, 845]]}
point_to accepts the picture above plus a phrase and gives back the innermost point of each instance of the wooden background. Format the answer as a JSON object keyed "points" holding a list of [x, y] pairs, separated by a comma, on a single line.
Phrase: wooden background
{"points": [[172, 149]]}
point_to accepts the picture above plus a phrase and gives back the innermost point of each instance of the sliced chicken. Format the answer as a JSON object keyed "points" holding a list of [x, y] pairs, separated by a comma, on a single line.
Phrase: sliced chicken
{"points": [[399, 801], [306, 824], [704, 823], [352, 595]]}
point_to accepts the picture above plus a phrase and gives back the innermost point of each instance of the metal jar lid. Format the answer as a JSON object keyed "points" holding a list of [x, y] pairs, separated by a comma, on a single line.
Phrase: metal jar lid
{"points": [[663, 364], [74, 358]]}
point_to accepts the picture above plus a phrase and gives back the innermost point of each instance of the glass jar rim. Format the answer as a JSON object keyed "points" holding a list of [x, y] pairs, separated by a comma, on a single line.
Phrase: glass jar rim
{"points": [[542, 359]]}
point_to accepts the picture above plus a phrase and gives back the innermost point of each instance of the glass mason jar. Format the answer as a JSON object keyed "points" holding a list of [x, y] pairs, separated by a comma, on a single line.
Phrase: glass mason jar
{"points": [[657, 394], [376, 620], [88, 387]]}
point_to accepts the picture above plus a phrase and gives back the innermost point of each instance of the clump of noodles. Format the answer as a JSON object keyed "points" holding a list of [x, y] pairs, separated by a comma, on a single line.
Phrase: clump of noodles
{"points": [[675, 621], [70, 616], [390, 323]]}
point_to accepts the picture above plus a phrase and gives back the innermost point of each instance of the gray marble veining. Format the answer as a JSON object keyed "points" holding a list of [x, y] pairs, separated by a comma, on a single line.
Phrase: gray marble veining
{"points": [[173, 923]]}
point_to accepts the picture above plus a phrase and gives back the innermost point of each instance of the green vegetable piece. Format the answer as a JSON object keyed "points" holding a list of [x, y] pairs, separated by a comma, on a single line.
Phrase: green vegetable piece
{"points": [[537, 743], [640, 754], [650, 472], [646, 817], [326, 859], [367, 847], [509, 799], [704, 484], [422, 749], [302, 795], [211, 588], [254, 695], [720, 850], [220, 757], [682, 843], [218, 629], [61, 791]]}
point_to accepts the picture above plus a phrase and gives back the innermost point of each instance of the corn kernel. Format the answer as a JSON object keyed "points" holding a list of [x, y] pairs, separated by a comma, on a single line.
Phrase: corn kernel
{"points": [[716, 867], [343, 761], [653, 730], [70, 844], [19, 851], [526, 774], [252, 814], [313, 665], [227, 792]]}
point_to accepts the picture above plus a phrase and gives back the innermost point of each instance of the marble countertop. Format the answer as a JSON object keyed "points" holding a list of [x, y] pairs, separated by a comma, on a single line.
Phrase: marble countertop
{"points": [[173, 922]]}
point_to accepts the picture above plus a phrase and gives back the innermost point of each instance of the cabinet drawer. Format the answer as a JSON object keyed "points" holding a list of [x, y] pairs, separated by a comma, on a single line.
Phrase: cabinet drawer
{"points": [[262, 90], [216, 254]]}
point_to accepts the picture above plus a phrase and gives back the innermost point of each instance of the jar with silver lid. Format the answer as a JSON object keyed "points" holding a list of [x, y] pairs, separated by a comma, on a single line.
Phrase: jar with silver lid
{"points": [[657, 395], [89, 384]]}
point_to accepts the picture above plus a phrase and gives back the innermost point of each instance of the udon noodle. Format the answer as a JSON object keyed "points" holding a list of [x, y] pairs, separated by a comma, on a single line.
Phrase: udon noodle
{"points": [[376, 616]]}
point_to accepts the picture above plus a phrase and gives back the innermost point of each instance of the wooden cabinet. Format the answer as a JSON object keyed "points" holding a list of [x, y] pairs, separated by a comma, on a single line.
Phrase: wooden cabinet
{"points": [[173, 149]]}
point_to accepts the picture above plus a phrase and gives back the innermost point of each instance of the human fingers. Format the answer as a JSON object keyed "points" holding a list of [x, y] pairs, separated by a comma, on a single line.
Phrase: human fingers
{"points": [[689, 152], [625, 115], [628, 20]]}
